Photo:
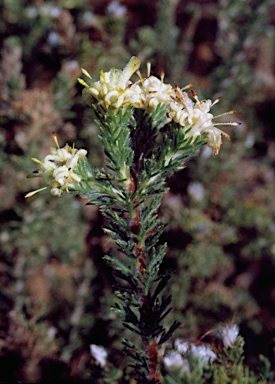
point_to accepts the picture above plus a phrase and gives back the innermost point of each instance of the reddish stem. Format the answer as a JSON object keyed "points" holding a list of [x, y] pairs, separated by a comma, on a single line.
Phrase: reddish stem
{"points": [[151, 348], [153, 359]]}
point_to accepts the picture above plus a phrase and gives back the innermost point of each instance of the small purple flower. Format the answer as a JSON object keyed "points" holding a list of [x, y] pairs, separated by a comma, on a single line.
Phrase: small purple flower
{"points": [[116, 9]]}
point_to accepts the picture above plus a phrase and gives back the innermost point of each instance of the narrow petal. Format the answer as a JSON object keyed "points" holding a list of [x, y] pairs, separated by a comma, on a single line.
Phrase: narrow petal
{"points": [[130, 68], [30, 194]]}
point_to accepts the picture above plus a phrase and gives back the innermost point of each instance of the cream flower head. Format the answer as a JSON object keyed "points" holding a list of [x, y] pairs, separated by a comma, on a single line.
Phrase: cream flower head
{"points": [[114, 88], [196, 119], [155, 91], [58, 169]]}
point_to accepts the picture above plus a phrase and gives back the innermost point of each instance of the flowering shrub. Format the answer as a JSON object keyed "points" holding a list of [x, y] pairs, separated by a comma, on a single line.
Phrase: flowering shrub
{"points": [[149, 130], [55, 288]]}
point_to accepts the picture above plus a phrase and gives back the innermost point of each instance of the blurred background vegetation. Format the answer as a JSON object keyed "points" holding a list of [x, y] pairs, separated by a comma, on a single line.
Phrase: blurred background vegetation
{"points": [[55, 289]]}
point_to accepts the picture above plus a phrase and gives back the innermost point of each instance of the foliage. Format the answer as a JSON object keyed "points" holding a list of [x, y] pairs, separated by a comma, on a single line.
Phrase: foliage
{"points": [[219, 212]]}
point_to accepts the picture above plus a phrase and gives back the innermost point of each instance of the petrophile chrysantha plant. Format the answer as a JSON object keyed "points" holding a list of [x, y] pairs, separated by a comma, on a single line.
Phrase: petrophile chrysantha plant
{"points": [[149, 130]]}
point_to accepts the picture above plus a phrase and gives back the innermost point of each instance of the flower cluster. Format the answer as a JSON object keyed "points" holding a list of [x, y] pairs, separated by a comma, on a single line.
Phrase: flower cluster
{"points": [[175, 361], [99, 354], [185, 351], [58, 169], [202, 352], [115, 90], [196, 118], [228, 334]]}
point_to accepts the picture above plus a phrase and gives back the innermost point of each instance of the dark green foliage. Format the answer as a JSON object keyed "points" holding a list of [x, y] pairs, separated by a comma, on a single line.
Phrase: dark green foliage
{"points": [[228, 368], [136, 157]]}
